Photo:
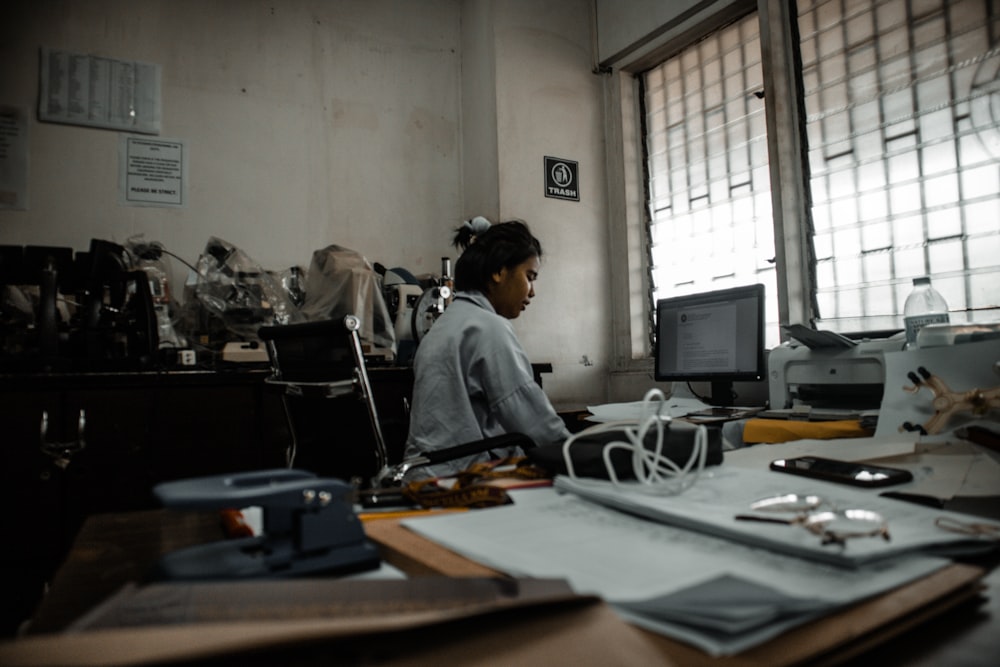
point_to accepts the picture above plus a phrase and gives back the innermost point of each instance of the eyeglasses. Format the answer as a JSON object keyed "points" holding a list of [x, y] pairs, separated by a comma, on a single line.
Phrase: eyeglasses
{"points": [[833, 526]]}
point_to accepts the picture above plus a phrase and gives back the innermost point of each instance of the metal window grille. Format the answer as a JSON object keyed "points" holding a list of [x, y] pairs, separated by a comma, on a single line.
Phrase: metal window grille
{"points": [[903, 120], [708, 189], [902, 103]]}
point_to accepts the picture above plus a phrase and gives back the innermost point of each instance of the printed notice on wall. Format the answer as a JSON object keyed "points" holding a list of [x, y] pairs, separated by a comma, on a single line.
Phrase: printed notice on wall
{"points": [[153, 171], [13, 159], [100, 92]]}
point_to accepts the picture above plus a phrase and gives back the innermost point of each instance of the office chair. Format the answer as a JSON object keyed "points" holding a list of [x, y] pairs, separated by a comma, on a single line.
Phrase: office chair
{"points": [[395, 475], [318, 360]]}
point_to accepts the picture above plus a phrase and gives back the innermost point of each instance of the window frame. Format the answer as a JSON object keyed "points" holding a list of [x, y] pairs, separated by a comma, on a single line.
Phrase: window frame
{"points": [[631, 311], [798, 285]]}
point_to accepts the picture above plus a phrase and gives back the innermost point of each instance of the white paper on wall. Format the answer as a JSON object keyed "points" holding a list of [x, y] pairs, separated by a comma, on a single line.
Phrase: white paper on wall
{"points": [[99, 92]]}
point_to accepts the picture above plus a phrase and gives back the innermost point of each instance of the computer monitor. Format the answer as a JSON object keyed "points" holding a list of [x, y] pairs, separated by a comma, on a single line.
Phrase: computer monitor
{"points": [[715, 337]]}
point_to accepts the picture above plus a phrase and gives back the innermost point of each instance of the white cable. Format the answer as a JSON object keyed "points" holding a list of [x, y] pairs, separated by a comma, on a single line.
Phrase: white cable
{"points": [[655, 472]]}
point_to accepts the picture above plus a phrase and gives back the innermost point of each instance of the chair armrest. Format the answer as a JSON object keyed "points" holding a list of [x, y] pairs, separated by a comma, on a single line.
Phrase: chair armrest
{"points": [[393, 475]]}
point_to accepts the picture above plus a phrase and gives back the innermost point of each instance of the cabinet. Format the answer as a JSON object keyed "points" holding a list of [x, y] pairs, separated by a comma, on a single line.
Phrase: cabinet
{"points": [[139, 429], [144, 428]]}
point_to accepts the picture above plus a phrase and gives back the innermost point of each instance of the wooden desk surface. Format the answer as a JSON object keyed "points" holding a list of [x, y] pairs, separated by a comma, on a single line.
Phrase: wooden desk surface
{"points": [[966, 627], [307, 622], [941, 620], [112, 550]]}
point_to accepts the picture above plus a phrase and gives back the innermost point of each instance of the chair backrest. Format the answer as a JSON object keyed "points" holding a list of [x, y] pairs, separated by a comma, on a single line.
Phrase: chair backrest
{"points": [[323, 357], [310, 351]]}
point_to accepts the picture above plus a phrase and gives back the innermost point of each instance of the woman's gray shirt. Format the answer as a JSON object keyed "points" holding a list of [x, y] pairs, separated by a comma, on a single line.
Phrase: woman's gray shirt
{"points": [[473, 380]]}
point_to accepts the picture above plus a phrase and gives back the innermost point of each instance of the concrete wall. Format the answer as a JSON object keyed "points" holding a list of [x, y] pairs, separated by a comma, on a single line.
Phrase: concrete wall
{"points": [[307, 122], [480, 179], [373, 124], [549, 103]]}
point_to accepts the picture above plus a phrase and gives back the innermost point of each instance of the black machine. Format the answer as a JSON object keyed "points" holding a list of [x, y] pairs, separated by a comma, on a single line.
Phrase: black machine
{"points": [[119, 321], [66, 311], [31, 279]]}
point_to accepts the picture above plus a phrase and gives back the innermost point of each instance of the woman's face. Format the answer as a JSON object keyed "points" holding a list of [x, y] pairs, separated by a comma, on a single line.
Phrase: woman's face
{"points": [[512, 289]]}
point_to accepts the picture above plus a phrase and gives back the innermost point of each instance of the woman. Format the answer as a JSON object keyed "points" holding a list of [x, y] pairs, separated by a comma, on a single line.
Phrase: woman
{"points": [[473, 379]]}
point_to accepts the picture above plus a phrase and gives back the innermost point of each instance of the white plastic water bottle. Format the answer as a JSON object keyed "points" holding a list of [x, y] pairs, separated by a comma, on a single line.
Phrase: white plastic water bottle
{"points": [[923, 306]]}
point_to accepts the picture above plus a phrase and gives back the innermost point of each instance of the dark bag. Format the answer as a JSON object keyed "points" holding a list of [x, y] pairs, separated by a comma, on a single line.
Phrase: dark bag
{"points": [[587, 451]]}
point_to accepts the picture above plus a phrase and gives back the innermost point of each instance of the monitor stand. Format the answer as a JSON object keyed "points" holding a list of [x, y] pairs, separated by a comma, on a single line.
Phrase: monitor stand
{"points": [[722, 393]]}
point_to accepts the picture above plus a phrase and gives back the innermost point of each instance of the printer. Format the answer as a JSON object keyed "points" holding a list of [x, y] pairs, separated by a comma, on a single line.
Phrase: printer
{"points": [[827, 371]]}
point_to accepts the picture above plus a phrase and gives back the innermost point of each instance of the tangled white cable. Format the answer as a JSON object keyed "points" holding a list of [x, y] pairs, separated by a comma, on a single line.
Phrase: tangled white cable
{"points": [[656, 472]]}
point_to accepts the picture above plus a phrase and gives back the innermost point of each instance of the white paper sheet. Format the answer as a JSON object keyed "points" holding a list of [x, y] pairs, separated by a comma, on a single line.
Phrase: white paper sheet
{"points": [[632, 411], [724, 492], [625, 559], [14, 124], [99, 92]]}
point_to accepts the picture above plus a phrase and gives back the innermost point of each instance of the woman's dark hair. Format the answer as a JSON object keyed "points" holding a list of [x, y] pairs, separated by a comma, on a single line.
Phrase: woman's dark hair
{"points": [[488, 250]]}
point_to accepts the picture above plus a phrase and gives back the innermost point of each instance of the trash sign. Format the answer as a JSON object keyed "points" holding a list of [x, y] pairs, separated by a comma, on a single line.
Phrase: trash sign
{"points": [[561, 179]]}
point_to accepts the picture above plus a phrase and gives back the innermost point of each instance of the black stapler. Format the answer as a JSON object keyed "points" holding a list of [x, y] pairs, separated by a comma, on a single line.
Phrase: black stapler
{"points": [[309, 527]]}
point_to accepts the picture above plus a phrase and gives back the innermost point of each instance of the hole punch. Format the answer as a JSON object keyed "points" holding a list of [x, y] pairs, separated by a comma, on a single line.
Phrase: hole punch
{"points": [[309, 527]]}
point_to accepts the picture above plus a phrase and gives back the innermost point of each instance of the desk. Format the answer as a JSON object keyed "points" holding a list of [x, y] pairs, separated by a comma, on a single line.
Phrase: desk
{"points": [[114, 549], [143, 428], [140, 428], [965, 626], [417, 621]]}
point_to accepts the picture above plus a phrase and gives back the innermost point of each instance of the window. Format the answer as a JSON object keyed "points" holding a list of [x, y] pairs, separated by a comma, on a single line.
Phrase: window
{"points": [[709, 188], [901, 114], [902, 131]]}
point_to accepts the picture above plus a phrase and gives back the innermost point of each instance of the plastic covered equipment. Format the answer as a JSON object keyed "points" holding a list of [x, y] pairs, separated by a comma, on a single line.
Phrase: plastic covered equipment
{"points": [[342, 282], [243, 295]]}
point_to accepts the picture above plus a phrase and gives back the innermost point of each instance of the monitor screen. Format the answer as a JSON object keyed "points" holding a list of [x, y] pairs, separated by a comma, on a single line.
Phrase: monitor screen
{"points": [[715, 337]]}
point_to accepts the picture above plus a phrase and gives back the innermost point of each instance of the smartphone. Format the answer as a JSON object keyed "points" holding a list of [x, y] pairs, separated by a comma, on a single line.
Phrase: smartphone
{"points": [[845, 472]]}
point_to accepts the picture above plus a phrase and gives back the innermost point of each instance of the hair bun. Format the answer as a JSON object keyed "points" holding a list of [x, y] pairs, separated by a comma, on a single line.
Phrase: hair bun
{"points": [[478, 224]]}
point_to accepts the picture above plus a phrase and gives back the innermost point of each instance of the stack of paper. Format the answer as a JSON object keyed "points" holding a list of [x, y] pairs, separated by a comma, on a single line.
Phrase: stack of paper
{"points": [[721, 596], [721, 494]]}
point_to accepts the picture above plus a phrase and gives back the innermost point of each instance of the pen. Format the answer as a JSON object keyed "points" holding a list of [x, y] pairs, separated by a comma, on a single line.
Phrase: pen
{"points": [[405, 514]]}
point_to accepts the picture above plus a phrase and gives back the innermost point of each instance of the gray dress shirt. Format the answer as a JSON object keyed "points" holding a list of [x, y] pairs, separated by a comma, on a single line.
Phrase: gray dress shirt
{"points": [[473, 380]]}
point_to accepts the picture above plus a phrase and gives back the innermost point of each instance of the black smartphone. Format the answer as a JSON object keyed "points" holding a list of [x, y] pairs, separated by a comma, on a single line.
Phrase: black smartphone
{"points": [[845, 472]]}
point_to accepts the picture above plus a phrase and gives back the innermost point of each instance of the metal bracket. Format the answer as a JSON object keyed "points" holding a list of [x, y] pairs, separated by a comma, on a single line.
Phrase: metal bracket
{"points": [[62, 452]]}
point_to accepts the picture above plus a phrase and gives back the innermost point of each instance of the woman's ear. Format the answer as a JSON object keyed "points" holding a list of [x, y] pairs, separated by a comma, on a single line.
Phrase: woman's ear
{"points": [[498, 276]]}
